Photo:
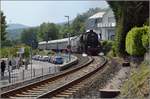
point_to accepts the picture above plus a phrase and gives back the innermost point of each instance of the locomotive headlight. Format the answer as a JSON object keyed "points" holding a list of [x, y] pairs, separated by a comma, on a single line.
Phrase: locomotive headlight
{"points": [[84, 54]]}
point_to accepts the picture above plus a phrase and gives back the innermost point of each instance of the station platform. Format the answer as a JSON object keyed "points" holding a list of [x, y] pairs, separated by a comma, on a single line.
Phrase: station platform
{"points": [[39, 68]]}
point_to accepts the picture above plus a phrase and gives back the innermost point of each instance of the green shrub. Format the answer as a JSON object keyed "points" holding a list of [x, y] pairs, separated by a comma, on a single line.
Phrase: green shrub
{"points": [[35, 51], [51, 52], [146, 38], [12, 51], [135, 42], [106, 46], [3, 52], [26, 52]]}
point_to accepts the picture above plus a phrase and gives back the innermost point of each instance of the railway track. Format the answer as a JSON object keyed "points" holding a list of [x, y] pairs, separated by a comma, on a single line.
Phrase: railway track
{"points": [[54, 86]]}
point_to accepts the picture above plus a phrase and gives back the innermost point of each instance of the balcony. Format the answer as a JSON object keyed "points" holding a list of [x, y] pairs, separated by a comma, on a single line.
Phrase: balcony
{"points": [[106, 25]]}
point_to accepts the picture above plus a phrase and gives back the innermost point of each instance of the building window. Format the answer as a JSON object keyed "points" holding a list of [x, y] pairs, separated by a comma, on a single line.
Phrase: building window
{"points": [[98, 20], [111, 19], [111, 34]]}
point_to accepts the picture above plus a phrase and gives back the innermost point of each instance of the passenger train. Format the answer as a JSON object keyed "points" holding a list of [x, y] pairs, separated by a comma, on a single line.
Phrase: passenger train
{"points": [[87, 42]]}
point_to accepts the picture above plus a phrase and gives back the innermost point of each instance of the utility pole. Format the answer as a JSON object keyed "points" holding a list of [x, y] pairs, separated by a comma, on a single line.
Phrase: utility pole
{"points": [[69, 39]]}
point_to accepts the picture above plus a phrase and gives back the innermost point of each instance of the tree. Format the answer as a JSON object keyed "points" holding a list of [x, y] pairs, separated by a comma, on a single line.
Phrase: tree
{"points": [[29, 37], [128, 14], [48, 31], [3, 27], [78, 25]]}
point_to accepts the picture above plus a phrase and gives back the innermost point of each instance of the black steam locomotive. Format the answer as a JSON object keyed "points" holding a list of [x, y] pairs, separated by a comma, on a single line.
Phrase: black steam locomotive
{"points": [[89, 43]]}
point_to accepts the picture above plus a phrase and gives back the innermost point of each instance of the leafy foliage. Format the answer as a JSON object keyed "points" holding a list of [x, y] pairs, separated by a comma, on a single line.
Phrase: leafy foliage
{"points": [[12, 51], [6, 43], [128, 14], [14, 34], [136, 42], [29, 37], [3, 26], [48, 31], [26, 52], [146, 37], [3, 33], [107, 46], [78, 25]]}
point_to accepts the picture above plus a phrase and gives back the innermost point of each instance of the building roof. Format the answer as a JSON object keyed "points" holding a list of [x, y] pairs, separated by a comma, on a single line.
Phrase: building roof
{"points": [[97, 15]]}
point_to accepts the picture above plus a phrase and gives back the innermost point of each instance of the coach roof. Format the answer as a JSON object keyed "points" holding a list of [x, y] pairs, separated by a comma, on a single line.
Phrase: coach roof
{"points": [[58, 40]]}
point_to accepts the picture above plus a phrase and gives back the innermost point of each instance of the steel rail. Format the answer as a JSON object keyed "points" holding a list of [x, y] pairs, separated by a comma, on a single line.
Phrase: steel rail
{"points": [[72, 83]]}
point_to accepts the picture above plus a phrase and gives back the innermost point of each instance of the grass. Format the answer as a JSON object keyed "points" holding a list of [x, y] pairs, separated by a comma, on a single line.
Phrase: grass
{"points": [[138, 83]]}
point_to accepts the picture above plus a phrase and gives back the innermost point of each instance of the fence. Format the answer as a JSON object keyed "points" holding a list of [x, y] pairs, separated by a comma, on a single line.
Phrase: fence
{"points": [[22, 75]]}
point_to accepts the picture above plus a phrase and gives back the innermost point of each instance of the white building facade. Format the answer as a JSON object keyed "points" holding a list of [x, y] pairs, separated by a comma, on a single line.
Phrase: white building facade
{"points": [[103, 23]]}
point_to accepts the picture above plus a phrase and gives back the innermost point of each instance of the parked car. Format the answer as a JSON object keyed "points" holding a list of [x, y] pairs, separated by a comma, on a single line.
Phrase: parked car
{"points": [[58, 60], [40, 58], [45, 58], [36, 57]]}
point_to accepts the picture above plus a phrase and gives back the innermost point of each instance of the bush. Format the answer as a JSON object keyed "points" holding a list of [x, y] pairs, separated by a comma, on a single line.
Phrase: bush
{"points": [[26, 52], [51, 52], [6, 43], [145, 38], [12, 51], [136, 43], [106, 46]]}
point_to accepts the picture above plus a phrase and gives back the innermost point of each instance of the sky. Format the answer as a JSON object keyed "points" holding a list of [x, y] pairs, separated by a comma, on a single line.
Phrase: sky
{"points": [[33, 13]]}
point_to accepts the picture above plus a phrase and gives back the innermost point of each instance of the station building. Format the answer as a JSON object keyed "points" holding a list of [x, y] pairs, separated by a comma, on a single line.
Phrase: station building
{"points": [[103, 23]]}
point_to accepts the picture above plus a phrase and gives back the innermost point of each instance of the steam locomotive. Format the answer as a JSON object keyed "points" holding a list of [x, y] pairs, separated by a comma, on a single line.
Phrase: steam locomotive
{"points": [[89, 43]]}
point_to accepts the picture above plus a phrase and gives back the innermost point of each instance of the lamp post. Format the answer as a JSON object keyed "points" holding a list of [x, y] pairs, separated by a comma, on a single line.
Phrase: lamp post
{"points": [[46, 38], [69, 40], [31, 56]]}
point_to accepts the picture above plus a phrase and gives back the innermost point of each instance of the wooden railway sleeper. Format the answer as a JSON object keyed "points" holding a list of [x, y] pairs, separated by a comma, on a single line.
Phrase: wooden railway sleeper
{"points": [[58, 98], [21, 95], [32, 93], [70, 91], [20, 98], [62, 95], [35, 91], [40, 88]]}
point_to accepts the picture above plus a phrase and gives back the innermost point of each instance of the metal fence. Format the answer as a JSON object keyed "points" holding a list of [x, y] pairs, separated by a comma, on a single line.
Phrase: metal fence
{"points": [[28, 74], [21, 74]]}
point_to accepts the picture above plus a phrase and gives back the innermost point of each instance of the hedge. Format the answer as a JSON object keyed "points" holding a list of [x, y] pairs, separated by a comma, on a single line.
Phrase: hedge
{"points": [[12, 51], [137, 41]]}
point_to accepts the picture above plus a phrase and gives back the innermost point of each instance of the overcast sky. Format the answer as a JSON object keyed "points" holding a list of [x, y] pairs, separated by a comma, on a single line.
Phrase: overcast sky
{"points": [[33, 13]]}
